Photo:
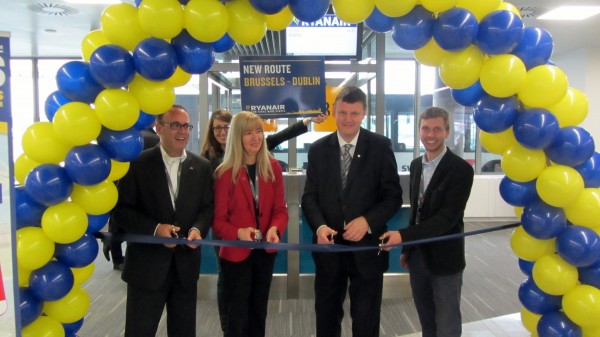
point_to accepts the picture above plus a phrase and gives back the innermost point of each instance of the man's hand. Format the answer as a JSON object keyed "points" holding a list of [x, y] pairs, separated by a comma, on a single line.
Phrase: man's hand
{"points": [[167, 231], [194, 234], [356, 229], [403, 262], [325, 235], [392, 237]]}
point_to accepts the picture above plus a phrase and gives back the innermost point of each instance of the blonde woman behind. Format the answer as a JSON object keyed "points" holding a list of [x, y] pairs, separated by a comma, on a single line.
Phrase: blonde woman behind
{"points": [[249, 206]]}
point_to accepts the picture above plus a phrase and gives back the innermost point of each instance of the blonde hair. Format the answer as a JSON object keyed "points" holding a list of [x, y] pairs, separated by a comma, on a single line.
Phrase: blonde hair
{"points": [[234, 151]]}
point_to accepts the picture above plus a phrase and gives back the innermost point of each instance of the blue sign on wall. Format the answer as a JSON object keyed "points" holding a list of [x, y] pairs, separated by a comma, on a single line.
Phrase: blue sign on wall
{"points": [[283, 86], [4, 79]]}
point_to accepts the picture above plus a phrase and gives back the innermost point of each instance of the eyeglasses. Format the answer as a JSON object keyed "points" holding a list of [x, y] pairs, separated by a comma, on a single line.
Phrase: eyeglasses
{"points": [[177, 125], [218, 129]]}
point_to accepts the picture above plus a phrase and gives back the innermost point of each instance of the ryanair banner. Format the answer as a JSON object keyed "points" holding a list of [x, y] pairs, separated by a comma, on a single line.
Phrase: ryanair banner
{"points": [[7, 260], [283, 86]]}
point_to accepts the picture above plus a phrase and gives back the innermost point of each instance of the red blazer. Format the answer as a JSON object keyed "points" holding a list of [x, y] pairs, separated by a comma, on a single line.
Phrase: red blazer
{"points": [[234, 208]]}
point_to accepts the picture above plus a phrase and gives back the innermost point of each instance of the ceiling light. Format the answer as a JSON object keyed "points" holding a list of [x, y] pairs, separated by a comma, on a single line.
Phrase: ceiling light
{"points": [[93, 2], [570, 13]]}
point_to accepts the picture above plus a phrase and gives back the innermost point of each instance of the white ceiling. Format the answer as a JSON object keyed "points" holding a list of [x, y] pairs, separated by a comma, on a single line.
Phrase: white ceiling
{"points": [[37, 33]]}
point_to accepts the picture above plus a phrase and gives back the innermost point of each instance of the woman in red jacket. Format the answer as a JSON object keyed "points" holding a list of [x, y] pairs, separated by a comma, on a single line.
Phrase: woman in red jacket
{"points": [[250, 206]]}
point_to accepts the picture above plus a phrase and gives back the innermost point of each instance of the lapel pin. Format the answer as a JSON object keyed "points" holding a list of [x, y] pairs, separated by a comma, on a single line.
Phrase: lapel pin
{"points": [[358, 156]]}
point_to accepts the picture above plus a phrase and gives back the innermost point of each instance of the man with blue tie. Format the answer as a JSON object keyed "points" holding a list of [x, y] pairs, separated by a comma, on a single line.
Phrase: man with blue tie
{"points": [[352, 189]]}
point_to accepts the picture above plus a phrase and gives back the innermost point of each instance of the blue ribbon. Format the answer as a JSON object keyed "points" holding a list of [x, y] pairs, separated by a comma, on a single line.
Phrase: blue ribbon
{"points": [[334, 248]]}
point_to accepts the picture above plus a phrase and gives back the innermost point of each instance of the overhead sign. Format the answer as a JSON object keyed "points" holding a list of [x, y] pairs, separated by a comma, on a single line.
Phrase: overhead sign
{"points": [[283, 86]]}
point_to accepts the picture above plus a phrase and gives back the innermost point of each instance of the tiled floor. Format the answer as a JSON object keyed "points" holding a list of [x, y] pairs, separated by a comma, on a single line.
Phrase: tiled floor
{"points": [[503, 326]]}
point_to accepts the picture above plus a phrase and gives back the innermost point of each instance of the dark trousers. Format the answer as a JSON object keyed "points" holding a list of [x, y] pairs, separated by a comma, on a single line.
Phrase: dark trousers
{"points": [[144, 308], [247, 285], [331, 284], [437, 298]]}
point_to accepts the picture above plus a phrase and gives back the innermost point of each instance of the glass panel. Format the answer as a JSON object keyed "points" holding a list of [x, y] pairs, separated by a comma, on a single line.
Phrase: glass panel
{"points": [[21, 83]]}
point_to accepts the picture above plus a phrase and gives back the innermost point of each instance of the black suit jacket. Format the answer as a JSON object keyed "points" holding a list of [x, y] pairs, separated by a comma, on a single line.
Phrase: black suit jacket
{"points": [[144, 202], [442, 212], [372, 190]]}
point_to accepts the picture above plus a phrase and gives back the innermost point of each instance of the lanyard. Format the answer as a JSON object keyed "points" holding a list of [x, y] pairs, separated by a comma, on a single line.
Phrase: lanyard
{"points": [[172, 191], [255, 190]]}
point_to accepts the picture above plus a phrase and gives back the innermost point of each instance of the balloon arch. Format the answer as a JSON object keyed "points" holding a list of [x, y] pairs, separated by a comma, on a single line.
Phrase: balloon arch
{"points": [[522, 103]]}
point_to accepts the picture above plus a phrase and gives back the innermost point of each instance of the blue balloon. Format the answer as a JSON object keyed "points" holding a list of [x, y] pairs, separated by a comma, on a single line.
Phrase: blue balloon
{"points": [[71, 329], [79, 253], [572, 146], [580, 246], [48, 184], [54, 101], [536, 300], [309, 11], [518, 193], [494, 114], [52, 281], [535, 48], [30, 306], [536, 128], [469, 96], [145, 120], [194, 57], [137, 3], [87, 164], [499, 32], [543, 221], [590, 275], [123, 145], [269, 6], [590, 171], [526, 267], [223, 44], [155, 59], [455, 29], [76, 83], [379, 22], [96, 222], [112, 66], [413, 30], [557, 324], [28, 211]]}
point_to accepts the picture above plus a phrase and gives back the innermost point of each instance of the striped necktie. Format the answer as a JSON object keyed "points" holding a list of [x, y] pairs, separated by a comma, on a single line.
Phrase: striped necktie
{"points": [[346, 159]]}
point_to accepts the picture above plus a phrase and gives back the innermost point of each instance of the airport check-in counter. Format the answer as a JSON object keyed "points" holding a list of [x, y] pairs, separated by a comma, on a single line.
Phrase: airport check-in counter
{"points": [[294, 270]]}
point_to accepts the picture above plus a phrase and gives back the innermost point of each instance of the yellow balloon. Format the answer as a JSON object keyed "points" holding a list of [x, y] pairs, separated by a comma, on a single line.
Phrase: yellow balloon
{"points": [[23, 276], [519, 211], [431, 54], [503, 75], [394, 8], [522, 164], [582, 305], [506, 6], [559, 185], [65, 222], [572, 109], [585, 210], [24, 165], [530, 320], [438, 6], [118, 169], [591, 331], [554, 275], [96, 199], [34, 248], [69, 309], [459, 70], [498, 142], [91, 42], [529, 248], [41, 144], [179, 78], [121, 26], [247, 26], [82, 274], [544, 86], [353, 11], [479, 8], [206, 20], [117, 109], [76, 123], [154, 98], [279, 21], [161, 18], [43, 326]]}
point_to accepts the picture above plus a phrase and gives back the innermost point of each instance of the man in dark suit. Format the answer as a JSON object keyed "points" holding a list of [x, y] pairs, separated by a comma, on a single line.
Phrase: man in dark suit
{"points": [[348, 198], [167, 192], [440, 185]]}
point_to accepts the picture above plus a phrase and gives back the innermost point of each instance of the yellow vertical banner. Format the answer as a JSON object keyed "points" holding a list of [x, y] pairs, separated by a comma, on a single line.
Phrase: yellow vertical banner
{"points": [[329, 124]]}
